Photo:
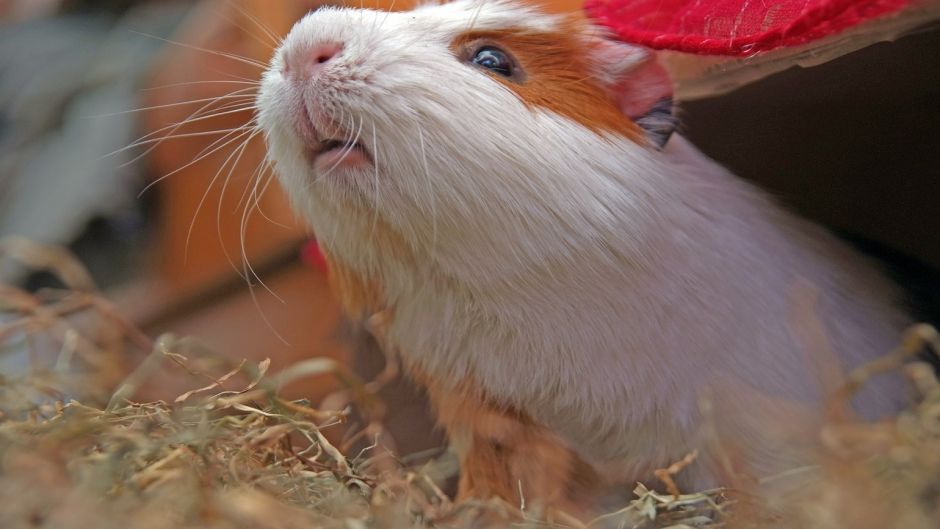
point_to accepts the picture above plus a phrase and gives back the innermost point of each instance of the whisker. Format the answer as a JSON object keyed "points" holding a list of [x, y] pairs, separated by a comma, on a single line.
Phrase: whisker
{"points": [[275, 39], [218, 210], [248, 32], [263, 172], [260, 194], [233, 95], [245, 197], [264, 317], [240, 78], [237, 133], [190, 164], [197, 113], [342, 124], [236, 153], [191, 83], [180, 136], [248, 270], [391, 7], [476, 15], [239, 58], [347, 148], [239, 108]]}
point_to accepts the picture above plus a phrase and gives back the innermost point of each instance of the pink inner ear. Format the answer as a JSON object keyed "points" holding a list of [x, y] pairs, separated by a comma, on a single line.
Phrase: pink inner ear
{"points": [[637, 90]]}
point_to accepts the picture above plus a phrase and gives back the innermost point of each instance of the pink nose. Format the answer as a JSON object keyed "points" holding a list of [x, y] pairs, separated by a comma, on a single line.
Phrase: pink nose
{"points": [[308, 63]]}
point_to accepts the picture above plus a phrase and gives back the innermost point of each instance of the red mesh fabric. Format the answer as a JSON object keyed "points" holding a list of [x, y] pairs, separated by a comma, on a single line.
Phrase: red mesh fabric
{"points": [[732, 27]]}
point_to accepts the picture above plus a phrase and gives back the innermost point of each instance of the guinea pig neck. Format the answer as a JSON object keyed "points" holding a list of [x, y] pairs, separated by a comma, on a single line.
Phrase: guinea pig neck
{"points": [[574, 276], [668, 278]]}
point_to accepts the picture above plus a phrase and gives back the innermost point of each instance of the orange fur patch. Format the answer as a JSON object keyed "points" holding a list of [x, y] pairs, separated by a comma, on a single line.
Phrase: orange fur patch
{"points": [[359, 296], [504, 453], [558, 76]]}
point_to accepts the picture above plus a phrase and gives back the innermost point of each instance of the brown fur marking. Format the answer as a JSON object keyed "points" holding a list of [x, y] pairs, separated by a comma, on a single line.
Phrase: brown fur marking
{"points": [[504, 453], [359, 296], [558, 76]]}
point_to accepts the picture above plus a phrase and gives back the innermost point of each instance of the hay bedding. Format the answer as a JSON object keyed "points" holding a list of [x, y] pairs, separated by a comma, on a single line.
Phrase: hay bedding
{"points": [[77, 450]]}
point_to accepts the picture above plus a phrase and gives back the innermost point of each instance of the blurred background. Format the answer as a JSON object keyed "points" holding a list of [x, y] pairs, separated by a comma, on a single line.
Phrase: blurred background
{"points": [[164, 226]]}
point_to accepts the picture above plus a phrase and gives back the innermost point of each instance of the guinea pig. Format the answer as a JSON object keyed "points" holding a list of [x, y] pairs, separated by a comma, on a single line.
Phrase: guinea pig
{"points": [[566, 276]]}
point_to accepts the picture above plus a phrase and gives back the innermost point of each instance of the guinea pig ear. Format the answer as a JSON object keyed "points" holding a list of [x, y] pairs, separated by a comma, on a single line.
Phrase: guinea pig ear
{"points": [[639, 85]]}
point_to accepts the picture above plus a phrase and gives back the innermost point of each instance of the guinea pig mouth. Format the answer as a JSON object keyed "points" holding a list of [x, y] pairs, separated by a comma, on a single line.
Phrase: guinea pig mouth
{"points": [[338, 151], [328, 145], [341, 145]]}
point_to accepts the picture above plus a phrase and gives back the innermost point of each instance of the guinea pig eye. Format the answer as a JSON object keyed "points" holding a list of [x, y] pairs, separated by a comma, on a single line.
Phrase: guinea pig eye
{"points": [[493, 59]]}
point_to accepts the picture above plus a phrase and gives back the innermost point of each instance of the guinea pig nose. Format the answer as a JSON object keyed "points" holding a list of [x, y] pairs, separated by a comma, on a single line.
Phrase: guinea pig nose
{"points": [[322, 53], [308, 63]]}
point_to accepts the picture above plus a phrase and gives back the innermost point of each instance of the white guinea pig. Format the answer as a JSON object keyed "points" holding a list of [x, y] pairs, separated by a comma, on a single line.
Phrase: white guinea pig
{"points": [[566, 278]]}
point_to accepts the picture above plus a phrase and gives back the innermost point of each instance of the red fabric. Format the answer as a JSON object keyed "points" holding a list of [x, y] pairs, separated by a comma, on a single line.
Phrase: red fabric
{"points": [[732, 27], [313, 257]]}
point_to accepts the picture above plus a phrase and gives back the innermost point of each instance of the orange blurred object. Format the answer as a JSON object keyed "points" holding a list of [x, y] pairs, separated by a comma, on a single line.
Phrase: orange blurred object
{"points": [[219, 213]]}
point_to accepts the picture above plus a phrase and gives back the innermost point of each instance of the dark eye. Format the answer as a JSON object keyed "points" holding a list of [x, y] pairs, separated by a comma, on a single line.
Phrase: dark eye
{"points": [[493, 59]]}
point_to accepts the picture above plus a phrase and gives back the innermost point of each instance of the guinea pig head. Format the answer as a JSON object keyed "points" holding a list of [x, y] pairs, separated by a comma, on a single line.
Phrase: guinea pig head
{"points": [[463, 133]]}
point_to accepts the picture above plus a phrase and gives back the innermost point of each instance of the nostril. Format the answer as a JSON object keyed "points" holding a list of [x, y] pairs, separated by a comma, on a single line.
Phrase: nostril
{"points": [[306, 62], [323, 53]]}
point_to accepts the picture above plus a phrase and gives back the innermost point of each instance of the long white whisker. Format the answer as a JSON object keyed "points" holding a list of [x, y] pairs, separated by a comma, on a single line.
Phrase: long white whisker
{"points": [[255, 175], [240, 78], [258, 196], [218, 210], [190, 164], [183, 135], [197, 113], [239, 58], [342, 125], [193, 83], [238, 132], [249, 271], [476, 15], [350, 145], [264, 317], [236, 110], [154, 142], [387, 13], [248, 32], [275, 39], [238, 94], [205, 196]]}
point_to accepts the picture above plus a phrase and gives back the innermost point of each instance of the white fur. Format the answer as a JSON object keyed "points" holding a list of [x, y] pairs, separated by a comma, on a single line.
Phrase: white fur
{"points": [[594, 283]]}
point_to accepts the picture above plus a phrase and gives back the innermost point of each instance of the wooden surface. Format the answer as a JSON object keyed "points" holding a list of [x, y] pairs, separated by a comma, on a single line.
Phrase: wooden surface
{"points": [[194, 287]]}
